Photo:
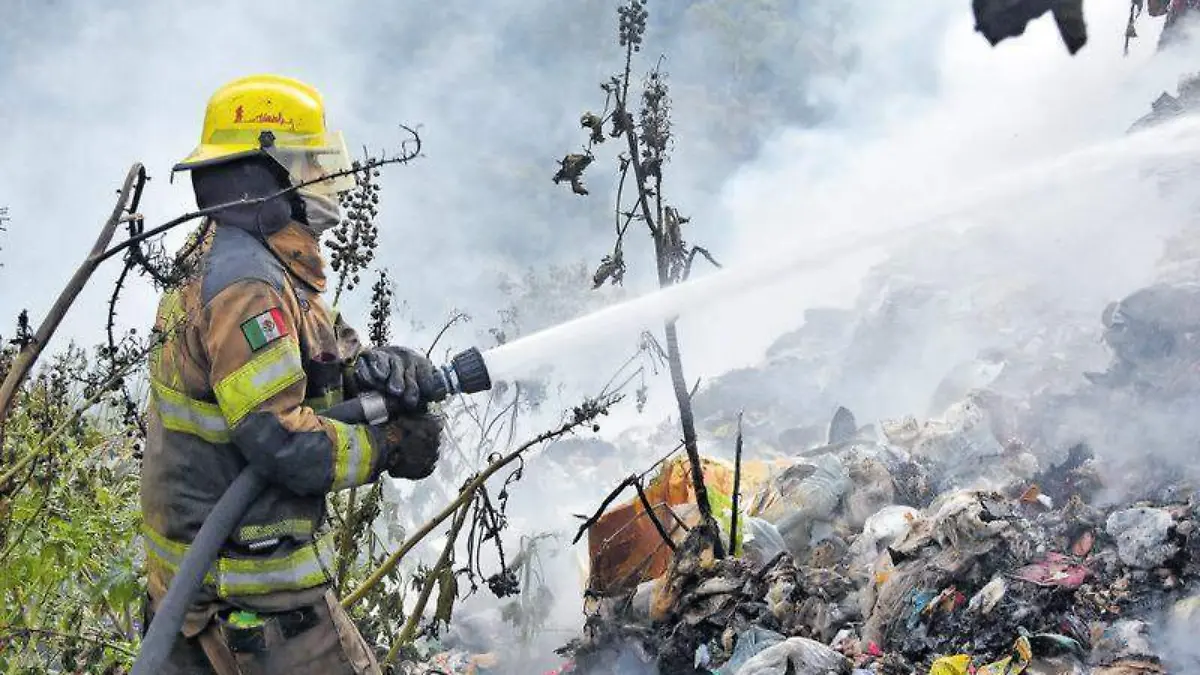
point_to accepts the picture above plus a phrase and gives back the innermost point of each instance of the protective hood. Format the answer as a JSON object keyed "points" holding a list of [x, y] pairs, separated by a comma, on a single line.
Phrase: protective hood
{"points": [[248, 178]]}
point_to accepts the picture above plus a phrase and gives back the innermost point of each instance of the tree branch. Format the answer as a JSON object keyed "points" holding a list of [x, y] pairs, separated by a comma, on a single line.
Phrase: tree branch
{"points": [[687, 267], [402, 158], [129, 196], [18, 630], [583, 415]]}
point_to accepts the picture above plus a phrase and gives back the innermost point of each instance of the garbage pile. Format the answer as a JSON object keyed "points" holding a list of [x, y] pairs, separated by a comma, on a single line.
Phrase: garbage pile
{"points": [[918, 547], [1040, 517], [980, 540]]}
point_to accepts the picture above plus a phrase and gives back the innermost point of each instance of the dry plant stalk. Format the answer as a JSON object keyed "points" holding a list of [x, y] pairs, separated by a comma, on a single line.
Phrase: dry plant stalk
{"points": [[648, 139], [583, 415], [444, 560], [125, 209]]}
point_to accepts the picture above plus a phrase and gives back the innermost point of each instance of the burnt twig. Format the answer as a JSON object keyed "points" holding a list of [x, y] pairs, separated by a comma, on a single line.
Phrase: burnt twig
{"points": [[737, 487], [698, 250], [584, 414], [612, 496], [662, 531], [634, 481], [403, 158]]}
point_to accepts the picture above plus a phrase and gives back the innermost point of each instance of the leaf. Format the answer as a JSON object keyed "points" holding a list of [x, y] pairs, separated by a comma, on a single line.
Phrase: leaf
{"points": [[447, 594]]}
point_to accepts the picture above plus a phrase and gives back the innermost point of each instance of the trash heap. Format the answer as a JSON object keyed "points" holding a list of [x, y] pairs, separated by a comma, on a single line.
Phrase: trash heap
{"points": [[1039, 518], [918, 547], [986, 539]]}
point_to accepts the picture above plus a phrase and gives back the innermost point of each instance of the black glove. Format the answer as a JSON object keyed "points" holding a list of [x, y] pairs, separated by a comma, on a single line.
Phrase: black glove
{"points": [[412, 445], [395, 372]]}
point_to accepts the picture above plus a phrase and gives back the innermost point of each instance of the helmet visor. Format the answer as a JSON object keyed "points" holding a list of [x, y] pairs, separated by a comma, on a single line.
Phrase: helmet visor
{"points": [[309, 157]]}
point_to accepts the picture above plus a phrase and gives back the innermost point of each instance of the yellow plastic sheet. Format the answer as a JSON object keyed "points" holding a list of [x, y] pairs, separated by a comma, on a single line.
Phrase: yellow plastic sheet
{"points": [[958, 664], [624, 548], [998, 668]]}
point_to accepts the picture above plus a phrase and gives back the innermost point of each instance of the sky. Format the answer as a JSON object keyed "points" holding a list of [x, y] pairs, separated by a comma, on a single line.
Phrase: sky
{"points": [[797, 125], [496, 94]]}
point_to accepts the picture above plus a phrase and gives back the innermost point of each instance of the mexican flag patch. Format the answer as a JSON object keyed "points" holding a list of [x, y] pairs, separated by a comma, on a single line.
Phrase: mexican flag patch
{"points": [[264, 329]]}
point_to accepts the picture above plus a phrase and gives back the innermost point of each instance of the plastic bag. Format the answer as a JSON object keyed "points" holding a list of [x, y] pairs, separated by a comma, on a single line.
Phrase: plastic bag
{"points": [[799, 656], [749, 643]]}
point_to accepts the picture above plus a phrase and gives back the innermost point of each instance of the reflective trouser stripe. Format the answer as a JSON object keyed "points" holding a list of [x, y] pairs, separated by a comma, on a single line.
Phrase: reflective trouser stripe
{"points": [[178, 412], [303, 568], [275, 369], [297, 528], [352, 455]]}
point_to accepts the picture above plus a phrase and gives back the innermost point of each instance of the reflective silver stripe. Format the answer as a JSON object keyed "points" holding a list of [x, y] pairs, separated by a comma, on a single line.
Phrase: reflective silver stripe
{"points": [[159, 550], [259, 379], [167, 553], [303, 568], [180, 413], [287, 365], [311, 569], [360, 453]]}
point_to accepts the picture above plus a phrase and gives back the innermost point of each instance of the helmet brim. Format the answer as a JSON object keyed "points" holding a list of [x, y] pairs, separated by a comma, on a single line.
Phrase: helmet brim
{"points": [[211, 155]]}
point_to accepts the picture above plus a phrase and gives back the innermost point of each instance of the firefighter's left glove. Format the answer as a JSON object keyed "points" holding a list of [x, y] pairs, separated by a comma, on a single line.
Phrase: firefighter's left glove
{"points": [[395, 372], [412, 444]]}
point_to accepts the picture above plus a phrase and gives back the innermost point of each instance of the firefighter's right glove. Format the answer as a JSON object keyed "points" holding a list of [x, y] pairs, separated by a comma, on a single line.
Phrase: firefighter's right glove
{"points": [[394, 372], [412, 444]]}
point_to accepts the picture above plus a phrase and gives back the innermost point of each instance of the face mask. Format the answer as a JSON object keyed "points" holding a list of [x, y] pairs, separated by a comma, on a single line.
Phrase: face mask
{"points": [[323, 212]]}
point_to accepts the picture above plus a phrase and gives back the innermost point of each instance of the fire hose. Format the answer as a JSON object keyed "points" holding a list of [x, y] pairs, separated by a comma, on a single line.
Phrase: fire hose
{"points": [[466, 374]]}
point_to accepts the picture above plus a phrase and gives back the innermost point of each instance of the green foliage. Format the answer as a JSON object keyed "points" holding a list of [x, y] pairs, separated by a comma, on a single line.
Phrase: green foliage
{"points": [[71, 583], [380, 615]]}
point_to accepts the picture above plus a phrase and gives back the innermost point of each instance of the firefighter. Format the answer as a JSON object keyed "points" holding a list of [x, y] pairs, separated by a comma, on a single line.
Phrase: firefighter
{"points": [[250, 356]]}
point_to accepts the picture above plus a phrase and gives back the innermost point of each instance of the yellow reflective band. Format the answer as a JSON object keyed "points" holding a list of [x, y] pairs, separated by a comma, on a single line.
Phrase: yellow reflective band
{"points": [[167, 555], [267, 374], [351, 456], [297, 527], [325, 401], [305, 567], [178, 412], [170, 309]]}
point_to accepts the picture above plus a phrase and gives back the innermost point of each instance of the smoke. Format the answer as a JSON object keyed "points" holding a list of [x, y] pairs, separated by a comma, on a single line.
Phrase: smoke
{"points": [[797, 124], [1057, 250]]}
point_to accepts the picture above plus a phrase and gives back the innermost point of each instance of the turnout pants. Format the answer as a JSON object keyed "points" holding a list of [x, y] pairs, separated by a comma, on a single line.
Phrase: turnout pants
{"points": [[320, 638]]}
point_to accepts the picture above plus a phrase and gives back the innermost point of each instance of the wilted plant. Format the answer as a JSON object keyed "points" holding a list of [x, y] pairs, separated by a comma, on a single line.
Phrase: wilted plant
{"points": [[641, 164]]}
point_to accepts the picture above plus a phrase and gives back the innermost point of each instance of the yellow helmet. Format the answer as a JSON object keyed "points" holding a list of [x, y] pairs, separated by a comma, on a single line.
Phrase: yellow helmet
{"points": [[274, 115]]}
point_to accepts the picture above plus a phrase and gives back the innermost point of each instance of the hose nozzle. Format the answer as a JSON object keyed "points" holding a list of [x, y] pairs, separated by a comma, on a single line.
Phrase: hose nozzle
{"points": [[465, 374]]}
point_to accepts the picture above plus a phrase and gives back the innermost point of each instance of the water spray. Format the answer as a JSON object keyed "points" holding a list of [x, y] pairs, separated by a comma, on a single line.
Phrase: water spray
{"points": [[924, 214]]}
